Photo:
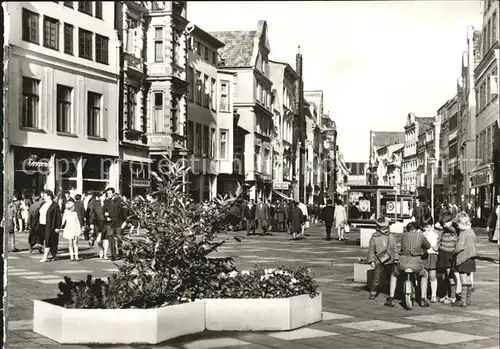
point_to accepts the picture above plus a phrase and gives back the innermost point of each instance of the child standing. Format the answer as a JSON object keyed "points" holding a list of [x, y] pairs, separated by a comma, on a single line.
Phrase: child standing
{"points": [[465, 253], [433, 235], [72, 229], [447, 245], [381, 254]]}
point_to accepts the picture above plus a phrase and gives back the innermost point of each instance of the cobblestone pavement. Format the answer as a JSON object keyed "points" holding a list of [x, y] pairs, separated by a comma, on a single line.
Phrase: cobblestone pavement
{"points": [[350, 319]]}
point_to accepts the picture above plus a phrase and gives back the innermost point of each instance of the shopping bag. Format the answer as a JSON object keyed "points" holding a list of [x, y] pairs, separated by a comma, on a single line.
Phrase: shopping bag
{"points": [[347, 229]]}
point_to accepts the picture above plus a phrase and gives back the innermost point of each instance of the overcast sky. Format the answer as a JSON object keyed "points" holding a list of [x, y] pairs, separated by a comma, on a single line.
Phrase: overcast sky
{"points": [[375, 61]]}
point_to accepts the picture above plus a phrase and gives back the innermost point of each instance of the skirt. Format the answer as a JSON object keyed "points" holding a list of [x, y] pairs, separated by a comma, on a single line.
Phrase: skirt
{"points": [[445, 260], [430, 261], [467, 267]]}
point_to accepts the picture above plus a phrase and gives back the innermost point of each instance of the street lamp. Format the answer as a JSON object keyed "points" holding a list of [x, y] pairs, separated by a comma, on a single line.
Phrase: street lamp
{"points": [[432, 162]]}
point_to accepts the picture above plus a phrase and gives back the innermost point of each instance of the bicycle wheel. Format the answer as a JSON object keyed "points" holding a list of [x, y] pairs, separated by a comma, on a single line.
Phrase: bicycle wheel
{"points": [[408, 290]]}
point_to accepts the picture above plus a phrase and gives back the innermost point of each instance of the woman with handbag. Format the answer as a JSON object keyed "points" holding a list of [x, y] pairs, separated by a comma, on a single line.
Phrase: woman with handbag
{"points": [[340, 217]]}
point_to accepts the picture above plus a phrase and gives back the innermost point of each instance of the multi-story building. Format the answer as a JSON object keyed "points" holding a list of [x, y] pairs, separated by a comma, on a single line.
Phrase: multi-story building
{"points": [[410, 161], [379, 139], [284, 79], [61, 86], [442, 178], [201, 130], [482, 177], [315, 97], [357, 173], [425, 152], [312, 152], [246, 53], [131, 28], [388, 165], [467, 110], [330, 162], [167, 83]]}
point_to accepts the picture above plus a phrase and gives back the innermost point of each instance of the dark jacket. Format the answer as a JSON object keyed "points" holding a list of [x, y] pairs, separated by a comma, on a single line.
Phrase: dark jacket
{"points": [[249, 212], [296, 219], [116, 212], [53, 220], [80, 211], [34, 215], [96, 216], [328, 213], [419, 214]]}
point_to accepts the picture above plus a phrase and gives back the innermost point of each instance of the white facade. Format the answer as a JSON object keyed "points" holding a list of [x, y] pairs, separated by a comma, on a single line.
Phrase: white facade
{"points": [[62, 96], [202, 133]]}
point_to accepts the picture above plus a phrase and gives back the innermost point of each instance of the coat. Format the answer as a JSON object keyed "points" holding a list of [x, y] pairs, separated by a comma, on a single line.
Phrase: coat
{"points": [[281, 213], [53, 222], [296, 219], [96, 216], [419, 214], [466, 246], [493, 224], [327, 214], [116, 212], [262, 212], [80, 212], [34, 224], [249, 212], [380, 242], [340, 216]]}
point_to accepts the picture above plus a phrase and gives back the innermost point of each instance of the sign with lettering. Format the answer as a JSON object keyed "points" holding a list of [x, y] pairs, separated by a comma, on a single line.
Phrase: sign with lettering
{"points": [[141, 183], [482, 178], [281, 185]]}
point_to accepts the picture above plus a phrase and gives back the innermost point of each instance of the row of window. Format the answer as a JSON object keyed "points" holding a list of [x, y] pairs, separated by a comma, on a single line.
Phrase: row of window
{"points": [[203, 51], [490, 33], [159, 46], [88, 7], [201, 141], [263, 96], [484, 144], [262, 160], [52, 37], [203, 91], [487, 91], [66, 120]]}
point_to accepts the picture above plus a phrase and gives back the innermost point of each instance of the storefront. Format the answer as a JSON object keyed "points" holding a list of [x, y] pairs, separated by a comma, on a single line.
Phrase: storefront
{"points": [[33, 170], [282, 191], [482, 186]]}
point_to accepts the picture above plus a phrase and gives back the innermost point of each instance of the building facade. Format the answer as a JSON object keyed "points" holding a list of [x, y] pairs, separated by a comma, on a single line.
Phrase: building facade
{"points": [[131, 27], [482, 178], [410, 159], [388, 164], [246, 53], [167, 82], [357, 173], [467, 111], [380, 139], [315, 98], [425, 152], [284, 79], [61, 81], [201, 130]]}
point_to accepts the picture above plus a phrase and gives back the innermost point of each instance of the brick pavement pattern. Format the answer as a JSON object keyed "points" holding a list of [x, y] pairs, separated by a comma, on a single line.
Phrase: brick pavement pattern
{"points": [[350, 319]]}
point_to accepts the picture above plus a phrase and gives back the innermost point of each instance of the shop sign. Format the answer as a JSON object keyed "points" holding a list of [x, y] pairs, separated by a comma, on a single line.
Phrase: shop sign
{"points": [[281, 185], [480, 179], [141, 183]]}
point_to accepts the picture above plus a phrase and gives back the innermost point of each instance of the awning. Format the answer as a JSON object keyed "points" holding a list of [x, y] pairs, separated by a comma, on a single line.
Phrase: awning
{"points": [[282, 195], [130, 156]]}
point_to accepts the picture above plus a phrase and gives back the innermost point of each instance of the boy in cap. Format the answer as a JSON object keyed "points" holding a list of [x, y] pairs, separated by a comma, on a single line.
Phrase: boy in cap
{"points": [[381, 254], [413, 247]]}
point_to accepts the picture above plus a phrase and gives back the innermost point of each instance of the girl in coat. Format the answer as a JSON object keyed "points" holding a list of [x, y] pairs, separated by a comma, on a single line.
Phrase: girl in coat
{"points": [[72, 229], [465, 254]]}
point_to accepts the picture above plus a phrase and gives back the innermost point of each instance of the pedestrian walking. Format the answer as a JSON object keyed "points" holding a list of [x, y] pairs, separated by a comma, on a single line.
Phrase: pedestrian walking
{"points": [[327, 215], [381, 255], [72, 229], [97, 224], [262, 215], [493, 224], [11, 222], [50, 220], [465, 254], [433, 234], [249, 213], [281, 216], [340, 218], [24, 208], [296, 221], [35, 239], [305, 213], [115, 216]]}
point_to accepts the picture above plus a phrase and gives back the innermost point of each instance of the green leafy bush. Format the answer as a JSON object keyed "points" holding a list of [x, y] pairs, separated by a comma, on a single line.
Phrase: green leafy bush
{"points": [[169, 263]]}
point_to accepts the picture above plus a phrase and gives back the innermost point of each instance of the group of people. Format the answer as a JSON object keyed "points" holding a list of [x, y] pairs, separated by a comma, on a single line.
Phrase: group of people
{"points": [[96, 216], [447, 247]]}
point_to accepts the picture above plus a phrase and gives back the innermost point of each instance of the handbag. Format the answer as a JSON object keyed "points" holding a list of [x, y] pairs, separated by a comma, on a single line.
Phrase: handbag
{"points": [[98, 238], [347, 229], [383, 257]]}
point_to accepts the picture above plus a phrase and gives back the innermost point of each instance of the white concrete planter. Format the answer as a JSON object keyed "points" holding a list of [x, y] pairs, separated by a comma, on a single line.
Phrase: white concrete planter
{"points": [[278, 314], [117, 326], [362, 272]]}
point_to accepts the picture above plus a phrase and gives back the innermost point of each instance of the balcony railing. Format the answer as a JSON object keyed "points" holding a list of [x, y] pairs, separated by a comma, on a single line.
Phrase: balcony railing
{"points": [[133, 63]]}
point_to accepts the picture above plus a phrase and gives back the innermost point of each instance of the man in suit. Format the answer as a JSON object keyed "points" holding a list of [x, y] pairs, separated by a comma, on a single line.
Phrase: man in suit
{"points": [[262, 215], [249, 216], [115, 216], [327, 215], [418, 213]]}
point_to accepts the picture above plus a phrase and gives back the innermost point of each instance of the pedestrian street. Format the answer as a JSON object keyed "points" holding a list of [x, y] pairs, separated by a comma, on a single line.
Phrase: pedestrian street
{"points": [[350, 319]]}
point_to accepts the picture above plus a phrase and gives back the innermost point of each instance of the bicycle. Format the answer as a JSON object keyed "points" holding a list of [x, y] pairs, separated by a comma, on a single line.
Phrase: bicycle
{"points": [[409, 288]]}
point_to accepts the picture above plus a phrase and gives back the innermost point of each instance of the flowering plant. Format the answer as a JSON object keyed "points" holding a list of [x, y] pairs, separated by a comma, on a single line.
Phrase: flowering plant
{"points": [[281, 282]]}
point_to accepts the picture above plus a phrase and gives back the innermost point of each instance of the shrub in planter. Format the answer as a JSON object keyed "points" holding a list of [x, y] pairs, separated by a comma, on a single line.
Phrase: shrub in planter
{"points": [[169, 262]]}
